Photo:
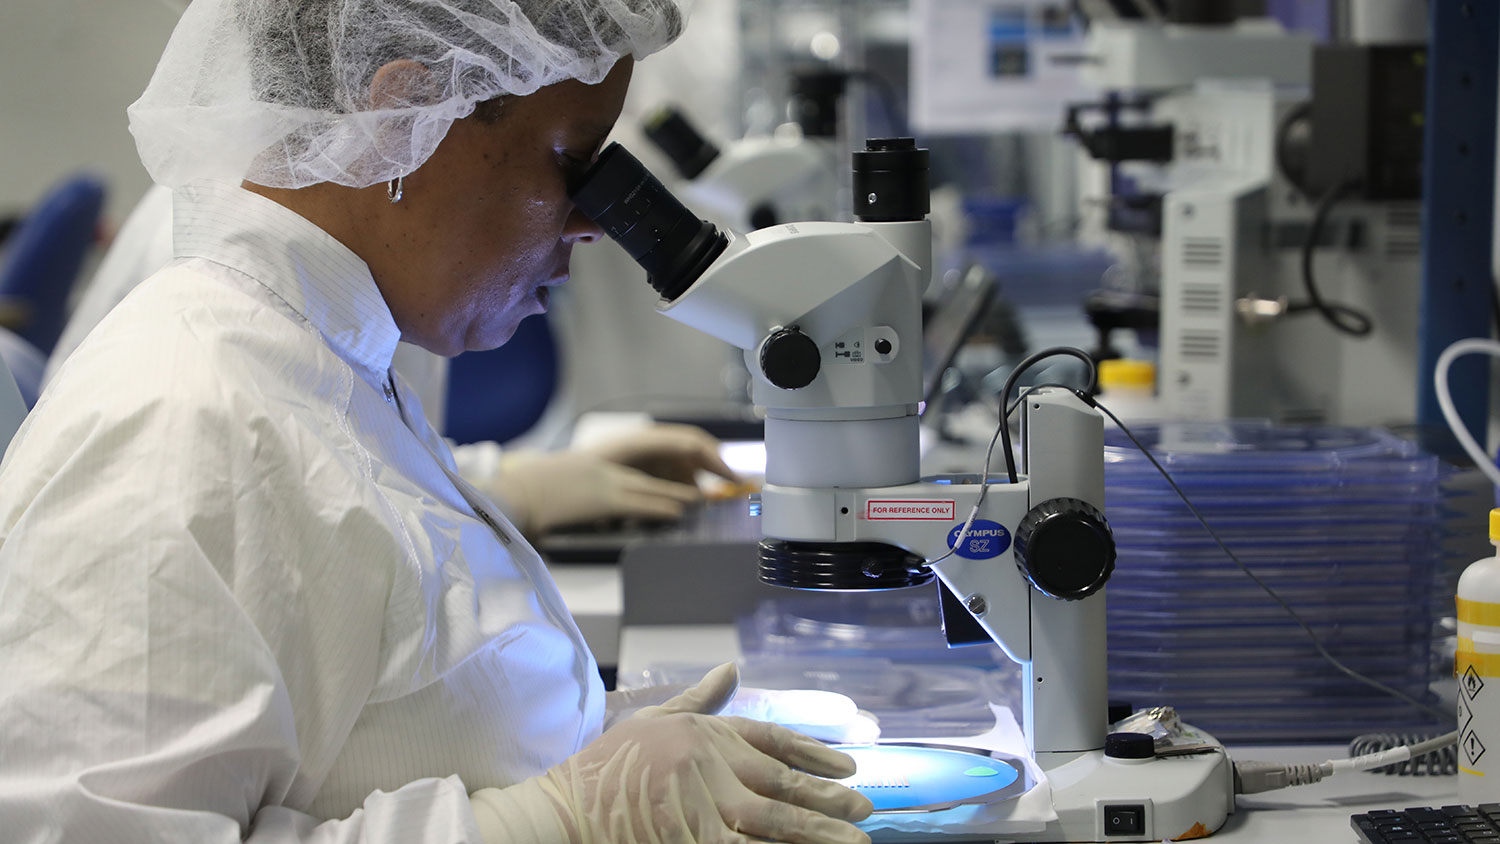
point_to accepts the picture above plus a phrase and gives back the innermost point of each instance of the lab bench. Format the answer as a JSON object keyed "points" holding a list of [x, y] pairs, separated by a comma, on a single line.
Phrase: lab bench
{"points": [[1313, 813]]}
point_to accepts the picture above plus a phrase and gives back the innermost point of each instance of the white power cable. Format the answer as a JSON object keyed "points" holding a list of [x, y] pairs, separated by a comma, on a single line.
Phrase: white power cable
{"points": [[1450, 413], [1394, 756]]}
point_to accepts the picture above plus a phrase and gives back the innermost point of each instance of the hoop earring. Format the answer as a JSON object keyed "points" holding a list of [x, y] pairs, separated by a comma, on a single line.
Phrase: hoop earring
{"points": [[394, 188]]}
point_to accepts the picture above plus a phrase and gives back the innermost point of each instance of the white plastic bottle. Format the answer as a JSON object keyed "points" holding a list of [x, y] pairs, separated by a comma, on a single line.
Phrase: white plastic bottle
{"points": [[1128, 388], [1478, 668]]}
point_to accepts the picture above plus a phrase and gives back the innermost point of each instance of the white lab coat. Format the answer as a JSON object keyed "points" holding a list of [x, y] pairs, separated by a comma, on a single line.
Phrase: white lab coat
{"points": [[243, 591], [143, 245]]}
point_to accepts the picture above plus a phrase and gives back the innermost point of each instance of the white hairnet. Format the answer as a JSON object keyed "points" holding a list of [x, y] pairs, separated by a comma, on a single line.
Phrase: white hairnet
{"points": [[277, 92]]}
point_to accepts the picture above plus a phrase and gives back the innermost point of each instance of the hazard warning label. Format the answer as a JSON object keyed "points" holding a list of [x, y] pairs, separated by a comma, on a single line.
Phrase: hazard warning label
{"points": [[914, 510], [1471, 683], [1473, 747]]}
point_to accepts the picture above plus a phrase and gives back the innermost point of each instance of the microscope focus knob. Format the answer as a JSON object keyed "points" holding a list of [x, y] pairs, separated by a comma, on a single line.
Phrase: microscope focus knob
{"points": [[790, 359], [1065, 548]]}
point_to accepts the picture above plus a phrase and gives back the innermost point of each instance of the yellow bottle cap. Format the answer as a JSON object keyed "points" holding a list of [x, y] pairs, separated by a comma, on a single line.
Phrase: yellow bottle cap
{"points": [[1123, 372], [1495, 524]]}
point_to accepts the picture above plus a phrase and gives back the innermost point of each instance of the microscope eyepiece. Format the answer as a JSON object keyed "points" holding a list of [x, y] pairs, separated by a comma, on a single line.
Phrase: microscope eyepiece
{"points": [[673, 245], [679, 140], [890, 181]]}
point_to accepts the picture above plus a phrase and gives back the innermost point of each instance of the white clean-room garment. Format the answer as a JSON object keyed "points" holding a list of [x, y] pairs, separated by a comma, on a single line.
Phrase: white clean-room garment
{"points": [[143, 245], [243, 592]]}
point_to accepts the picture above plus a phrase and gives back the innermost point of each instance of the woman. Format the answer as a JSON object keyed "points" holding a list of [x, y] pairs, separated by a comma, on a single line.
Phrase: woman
{"points": [[244, 594], [643, 473]]}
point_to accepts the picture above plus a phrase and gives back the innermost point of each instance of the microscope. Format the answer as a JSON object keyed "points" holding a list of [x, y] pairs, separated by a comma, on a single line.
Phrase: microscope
{"points": [[753, 183], [828, 316], [758, 182]]}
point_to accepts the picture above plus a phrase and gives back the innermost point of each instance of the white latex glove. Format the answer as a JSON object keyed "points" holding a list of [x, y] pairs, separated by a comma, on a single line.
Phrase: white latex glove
{"points": [[824, 715], [673, 774], [540, 491], [674, 452]]}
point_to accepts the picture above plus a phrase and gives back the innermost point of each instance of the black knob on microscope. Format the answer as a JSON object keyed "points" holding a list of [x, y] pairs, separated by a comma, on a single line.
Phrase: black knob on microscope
{"points": [[1065, 548], [1129, 746], [790, 359]]}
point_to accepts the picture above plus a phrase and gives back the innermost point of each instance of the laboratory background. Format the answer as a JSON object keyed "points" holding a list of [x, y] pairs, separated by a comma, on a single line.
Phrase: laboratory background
{"points": [[1259, 233]]}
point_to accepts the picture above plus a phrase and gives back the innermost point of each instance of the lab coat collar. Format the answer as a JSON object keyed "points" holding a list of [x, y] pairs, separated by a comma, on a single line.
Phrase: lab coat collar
{"points": [[316, 275]]}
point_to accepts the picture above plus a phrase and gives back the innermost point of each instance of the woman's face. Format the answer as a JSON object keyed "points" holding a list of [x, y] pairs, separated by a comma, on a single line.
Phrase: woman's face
{"points": [[485, 227]]}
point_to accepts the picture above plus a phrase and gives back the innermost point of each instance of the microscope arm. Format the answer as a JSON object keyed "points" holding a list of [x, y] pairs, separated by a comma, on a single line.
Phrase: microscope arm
{"points": [[1058, 638]]}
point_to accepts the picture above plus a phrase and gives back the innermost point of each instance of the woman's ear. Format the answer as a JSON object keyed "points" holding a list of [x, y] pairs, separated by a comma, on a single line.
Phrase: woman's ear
{"points": [[402, 82]]}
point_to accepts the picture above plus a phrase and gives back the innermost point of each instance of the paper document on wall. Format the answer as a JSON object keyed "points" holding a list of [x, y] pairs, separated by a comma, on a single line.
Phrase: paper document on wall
{"points": [[993, 65]]}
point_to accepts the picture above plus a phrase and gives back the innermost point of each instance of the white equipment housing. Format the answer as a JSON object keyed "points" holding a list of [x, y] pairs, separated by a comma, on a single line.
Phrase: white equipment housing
{"points": [[1224, 250], [1229, 245], [791, 179], [1138, 55]]}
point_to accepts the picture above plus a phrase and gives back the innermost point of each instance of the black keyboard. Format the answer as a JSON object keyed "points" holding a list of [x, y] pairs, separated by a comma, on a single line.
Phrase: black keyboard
{"points": [[1447, 825]]}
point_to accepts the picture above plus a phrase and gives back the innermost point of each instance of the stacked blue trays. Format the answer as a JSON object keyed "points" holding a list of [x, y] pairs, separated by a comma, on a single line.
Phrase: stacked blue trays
{"points": [[1345, 524]]}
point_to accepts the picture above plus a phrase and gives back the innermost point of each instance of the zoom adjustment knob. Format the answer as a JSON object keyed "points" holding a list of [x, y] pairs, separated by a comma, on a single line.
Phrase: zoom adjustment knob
{"points": [[790, 359], [1065, 548]]}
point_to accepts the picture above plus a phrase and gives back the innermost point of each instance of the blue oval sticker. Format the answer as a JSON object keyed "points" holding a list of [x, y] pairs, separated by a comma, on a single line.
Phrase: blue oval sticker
{"points": [[986, 539]]}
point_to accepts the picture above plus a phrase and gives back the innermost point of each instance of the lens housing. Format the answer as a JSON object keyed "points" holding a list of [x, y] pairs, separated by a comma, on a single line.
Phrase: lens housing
{"points": [[673, 245], [840, 566]]}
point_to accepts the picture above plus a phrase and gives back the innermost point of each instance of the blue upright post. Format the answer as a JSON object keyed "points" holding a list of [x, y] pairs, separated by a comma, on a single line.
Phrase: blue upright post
{"points": [[1458, 182]]}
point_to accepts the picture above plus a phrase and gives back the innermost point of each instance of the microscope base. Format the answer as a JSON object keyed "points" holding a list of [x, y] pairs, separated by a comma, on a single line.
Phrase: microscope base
{"points": [[1109, 800], [1099, 799]]}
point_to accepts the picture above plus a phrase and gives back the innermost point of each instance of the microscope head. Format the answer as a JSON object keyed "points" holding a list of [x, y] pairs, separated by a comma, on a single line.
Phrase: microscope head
{"points": [[828, 316], [743, 289]]}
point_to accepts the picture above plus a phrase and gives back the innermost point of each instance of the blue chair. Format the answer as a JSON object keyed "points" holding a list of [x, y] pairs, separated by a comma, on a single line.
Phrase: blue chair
{"points": [[42, 259], [498, 395]]}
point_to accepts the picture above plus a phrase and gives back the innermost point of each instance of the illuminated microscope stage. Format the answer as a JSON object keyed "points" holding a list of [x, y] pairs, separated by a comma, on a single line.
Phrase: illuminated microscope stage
{"points": [[927, 778]]}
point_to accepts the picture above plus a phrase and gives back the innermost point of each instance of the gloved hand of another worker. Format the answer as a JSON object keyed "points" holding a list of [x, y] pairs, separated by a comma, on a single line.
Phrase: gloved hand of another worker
{"points": [[672, 773], [645, 474], [673, 452], [829, 716]]}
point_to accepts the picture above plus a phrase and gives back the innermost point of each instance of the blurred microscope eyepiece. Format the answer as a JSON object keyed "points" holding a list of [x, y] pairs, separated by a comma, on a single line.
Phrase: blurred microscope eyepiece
{"points": [[673, 245], [680, 141]]}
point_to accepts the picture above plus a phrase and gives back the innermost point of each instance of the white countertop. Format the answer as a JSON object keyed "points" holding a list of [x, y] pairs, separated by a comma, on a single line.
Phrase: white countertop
{"points": [[595, 596]]}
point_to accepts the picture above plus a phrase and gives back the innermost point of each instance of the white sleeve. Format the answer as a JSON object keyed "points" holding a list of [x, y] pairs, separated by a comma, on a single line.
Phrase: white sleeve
{"points": [[187, 634], [482, 465], [479, 463], [429, 810]]}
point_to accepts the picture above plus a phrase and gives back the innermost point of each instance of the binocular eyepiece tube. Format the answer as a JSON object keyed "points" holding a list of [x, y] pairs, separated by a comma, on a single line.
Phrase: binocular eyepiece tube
{"points": [[673, 245]]}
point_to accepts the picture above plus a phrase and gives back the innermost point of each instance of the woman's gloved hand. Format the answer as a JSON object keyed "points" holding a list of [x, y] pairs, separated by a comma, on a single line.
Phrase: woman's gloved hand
{"points": [[672, 773], [824, 715]]}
